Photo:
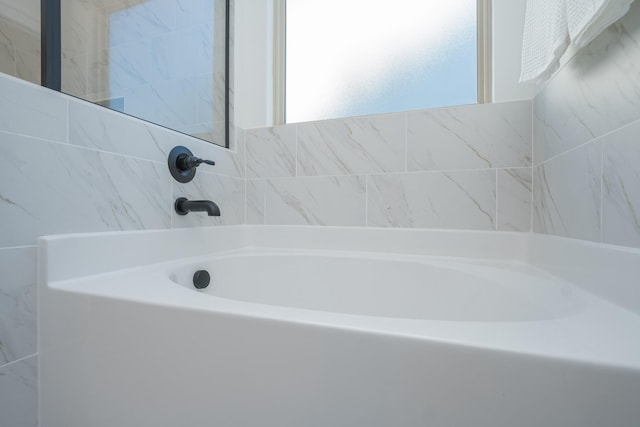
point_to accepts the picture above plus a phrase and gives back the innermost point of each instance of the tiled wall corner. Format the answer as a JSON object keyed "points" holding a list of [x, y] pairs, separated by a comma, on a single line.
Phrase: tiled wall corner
{"points": [[364, 170], [621, 187], [271, 152], [595, 93], [567, 194], [586, 153], [514, 199], [256, 192]]}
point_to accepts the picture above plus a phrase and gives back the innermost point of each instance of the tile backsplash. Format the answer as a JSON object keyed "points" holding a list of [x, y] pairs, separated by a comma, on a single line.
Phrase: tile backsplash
{"points": [[67, 166], [465, 167], [586, 149]]}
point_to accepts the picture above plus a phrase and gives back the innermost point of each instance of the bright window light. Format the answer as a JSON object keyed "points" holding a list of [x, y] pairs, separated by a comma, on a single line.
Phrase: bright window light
{"points": [[357, 57]]}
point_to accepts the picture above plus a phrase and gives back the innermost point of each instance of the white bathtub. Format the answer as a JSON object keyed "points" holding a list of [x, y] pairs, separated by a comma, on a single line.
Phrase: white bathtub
{"points": [[306, 326]]}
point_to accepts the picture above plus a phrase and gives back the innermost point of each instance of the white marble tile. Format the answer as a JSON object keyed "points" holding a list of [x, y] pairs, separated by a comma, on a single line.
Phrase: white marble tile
{"points": [[514, 199], [461, 200], [32, 110], [255, 200], [19, 393], [50, 188], [470, 137], [97, 127], [567, 194], [352, 146], [94, 126], [7, 59], [226, 192], [621, 187], [18, 316], [336, 201], [597, 92], [271, 152]]}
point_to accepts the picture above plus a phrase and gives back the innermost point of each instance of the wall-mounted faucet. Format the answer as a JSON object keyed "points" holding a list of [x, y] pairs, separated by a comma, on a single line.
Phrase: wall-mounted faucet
{"points": [[184, 206], [183, 164]]}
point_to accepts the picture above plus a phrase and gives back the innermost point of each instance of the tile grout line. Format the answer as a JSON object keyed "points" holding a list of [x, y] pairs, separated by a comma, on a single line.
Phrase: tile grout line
{"points": [[594, 139], [406, 142], [13, 362], [496, 226], [264, 204], [366, 200], [68, 121], [533, 142], [602, 192], [532, 189], [18, 247]]}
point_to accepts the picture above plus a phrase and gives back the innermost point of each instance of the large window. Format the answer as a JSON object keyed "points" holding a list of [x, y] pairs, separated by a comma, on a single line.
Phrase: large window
{"points": [[356, 57]]}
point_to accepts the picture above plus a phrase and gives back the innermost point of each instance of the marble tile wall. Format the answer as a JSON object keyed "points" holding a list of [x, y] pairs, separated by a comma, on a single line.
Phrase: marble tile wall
{"points": [[465, 167], [69, 166], [586, 149]]}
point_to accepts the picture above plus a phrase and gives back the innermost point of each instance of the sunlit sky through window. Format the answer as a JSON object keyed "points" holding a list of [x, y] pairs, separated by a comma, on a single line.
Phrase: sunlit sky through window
{"points": [[356, 57]]}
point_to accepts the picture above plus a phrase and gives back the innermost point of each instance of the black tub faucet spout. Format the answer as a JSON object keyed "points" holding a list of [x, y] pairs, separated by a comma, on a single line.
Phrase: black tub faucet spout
{"points": [[184, 206]]}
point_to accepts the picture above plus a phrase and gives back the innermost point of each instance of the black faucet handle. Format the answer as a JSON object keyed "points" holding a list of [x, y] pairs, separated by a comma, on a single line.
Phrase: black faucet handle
{"points": [[183, 164], [186, 162]]}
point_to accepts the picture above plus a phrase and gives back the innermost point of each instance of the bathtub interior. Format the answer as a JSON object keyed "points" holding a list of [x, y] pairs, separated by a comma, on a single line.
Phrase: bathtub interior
{"points": [[386, 285]]}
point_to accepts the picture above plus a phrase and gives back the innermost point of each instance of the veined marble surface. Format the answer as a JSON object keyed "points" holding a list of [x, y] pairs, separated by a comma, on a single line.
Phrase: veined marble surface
{"points": [[331, 200], [621, 187], [48, 188], [256, 192], [567, 194], [30, 110], [470, 137], [352, 146], [596, 92], [461, 199], [514, 199], [18, 315], [19, 393], [97, 127], [271, 152]]}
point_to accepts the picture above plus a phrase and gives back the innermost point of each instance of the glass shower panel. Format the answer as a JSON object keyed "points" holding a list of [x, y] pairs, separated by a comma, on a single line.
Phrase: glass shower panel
{"points": [[160, 60], [358, 57], [20, 39]]}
